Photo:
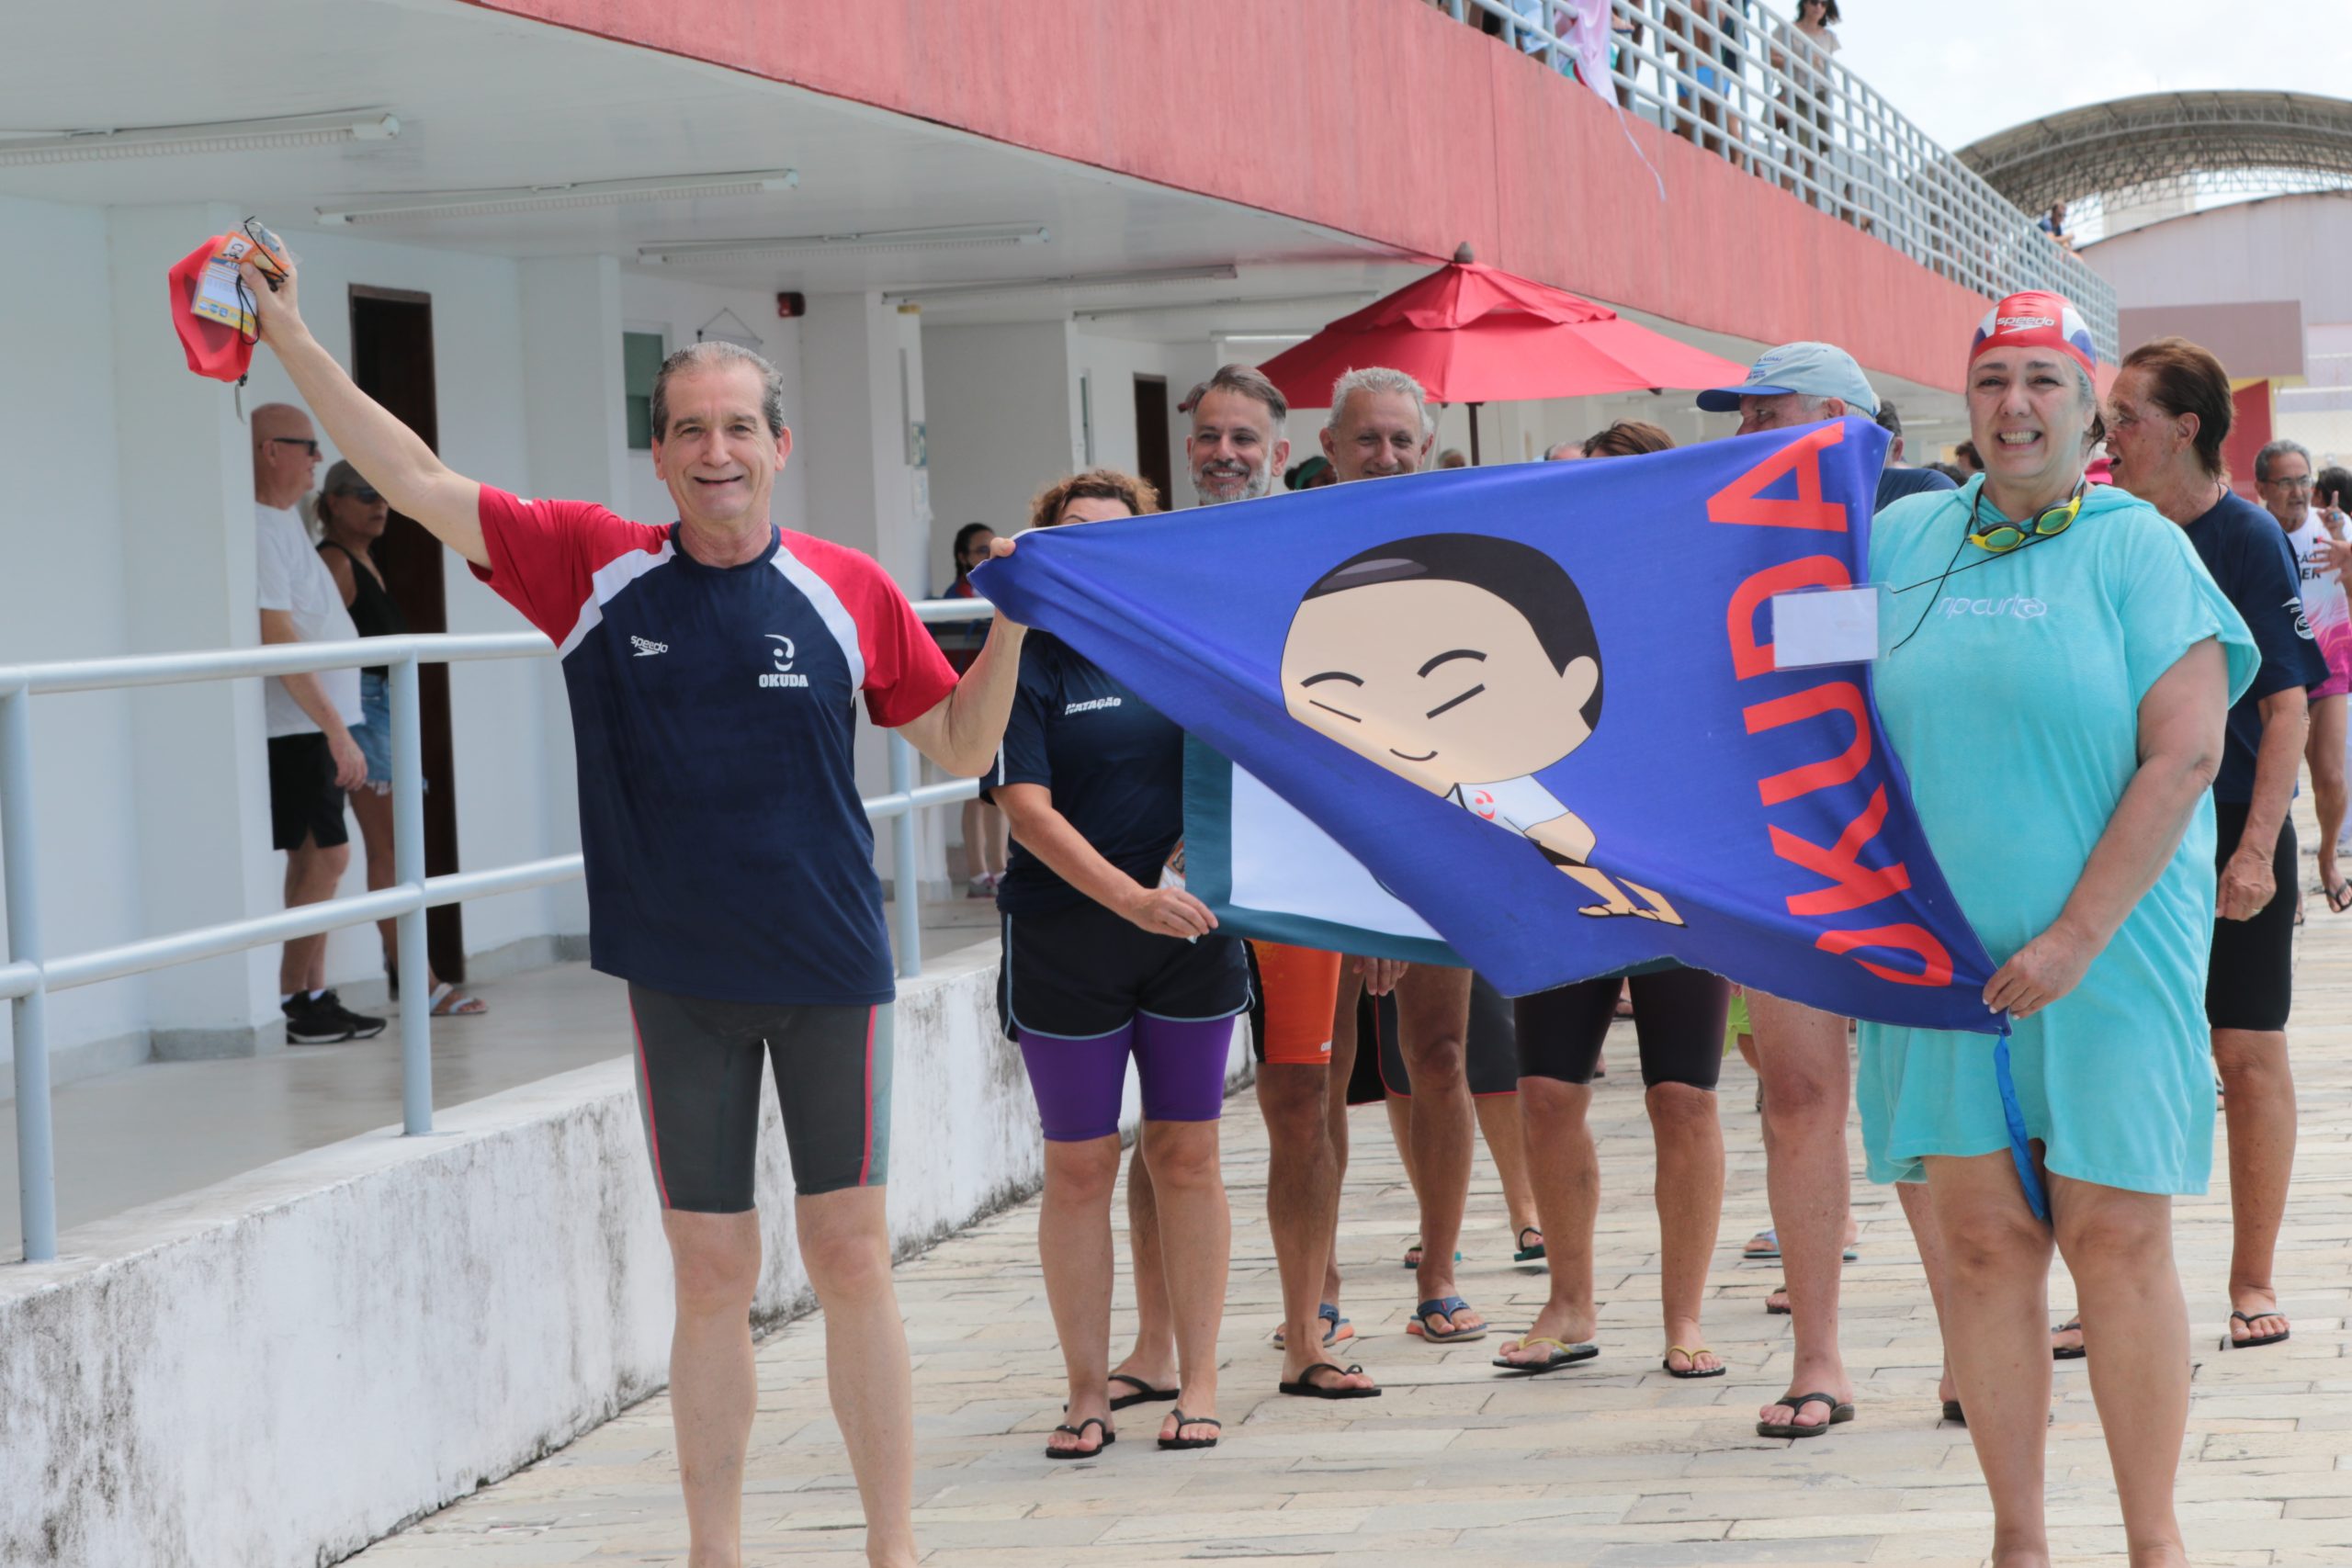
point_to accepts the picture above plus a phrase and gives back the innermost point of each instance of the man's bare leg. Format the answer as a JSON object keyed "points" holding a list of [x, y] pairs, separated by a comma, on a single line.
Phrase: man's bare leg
{"points": [[846, 1245], [313, 873], [1301, 1208], [1433, 1024], [2258, 1103], [713, 1387], [1565, 1169], [1500, 1125], [1153, 1358], [1800, 1057], [1335, 1110]]}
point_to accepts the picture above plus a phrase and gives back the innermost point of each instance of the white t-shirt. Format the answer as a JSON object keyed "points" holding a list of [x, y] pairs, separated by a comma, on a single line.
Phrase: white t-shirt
{"points": [[2323, 600], [290, 576], [1518, 803]]}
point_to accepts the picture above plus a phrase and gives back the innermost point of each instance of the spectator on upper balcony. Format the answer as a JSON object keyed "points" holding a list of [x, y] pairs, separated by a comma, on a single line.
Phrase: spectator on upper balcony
{"points": [[1898, 479], [1800, 52], [1709, 49], [2054, 223]]}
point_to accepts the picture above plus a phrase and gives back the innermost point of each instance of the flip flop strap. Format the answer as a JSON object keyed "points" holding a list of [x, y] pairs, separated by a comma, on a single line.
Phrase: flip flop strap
{"points": [[1797, 1403], [1133, 1382]]}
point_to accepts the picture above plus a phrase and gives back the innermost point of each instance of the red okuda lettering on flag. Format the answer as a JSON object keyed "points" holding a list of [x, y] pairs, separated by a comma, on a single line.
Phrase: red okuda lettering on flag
{"points": [[1850, 884]]}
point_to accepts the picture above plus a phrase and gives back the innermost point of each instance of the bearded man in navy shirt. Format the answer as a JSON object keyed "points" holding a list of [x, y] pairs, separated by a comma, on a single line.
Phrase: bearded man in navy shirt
{"points": [[714, 668]]}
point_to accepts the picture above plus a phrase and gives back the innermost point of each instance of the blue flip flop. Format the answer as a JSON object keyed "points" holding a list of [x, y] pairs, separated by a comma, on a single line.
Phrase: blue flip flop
{"points": [[1444, 1307], [1332, 1323]]}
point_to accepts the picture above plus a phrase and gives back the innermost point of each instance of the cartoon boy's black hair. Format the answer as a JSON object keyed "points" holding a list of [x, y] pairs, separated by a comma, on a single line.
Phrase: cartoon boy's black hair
{"points": [[1521, 576]]}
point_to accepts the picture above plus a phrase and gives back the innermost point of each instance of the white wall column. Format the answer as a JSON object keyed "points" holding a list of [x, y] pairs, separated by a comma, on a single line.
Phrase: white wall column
{"points": [[577, 437], [862, 375], [202, 758]]}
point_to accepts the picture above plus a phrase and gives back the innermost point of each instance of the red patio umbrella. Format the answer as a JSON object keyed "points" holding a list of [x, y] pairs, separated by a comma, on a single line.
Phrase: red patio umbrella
{"points": [[1473, 335]]}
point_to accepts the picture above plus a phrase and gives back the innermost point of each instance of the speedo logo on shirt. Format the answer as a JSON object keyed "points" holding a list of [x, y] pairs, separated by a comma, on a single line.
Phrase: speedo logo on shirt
{"points": [[1091, 705], [2294, 608], [646, 647], [783, 675]]}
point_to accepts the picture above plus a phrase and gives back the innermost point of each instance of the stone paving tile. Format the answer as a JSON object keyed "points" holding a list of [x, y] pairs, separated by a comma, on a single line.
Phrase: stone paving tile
{"points": [[1611, 1465]]}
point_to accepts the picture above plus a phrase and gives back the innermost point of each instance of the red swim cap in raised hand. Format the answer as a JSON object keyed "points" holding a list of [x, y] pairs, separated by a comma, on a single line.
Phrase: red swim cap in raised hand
{"points": [[211, 308], [2036, 320]]}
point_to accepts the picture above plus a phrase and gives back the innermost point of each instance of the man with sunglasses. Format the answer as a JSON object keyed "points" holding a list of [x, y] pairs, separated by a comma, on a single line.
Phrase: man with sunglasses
{"points": [[313, 758]]}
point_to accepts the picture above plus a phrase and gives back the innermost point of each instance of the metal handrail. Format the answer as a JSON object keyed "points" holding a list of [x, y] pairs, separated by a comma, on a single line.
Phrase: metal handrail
{"points": [[1822, 133], [29, 977]]}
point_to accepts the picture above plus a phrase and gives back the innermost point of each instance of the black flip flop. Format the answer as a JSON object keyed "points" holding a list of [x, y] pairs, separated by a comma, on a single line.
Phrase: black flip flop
{"points": [[1144, 1393], [2068, 1352], [2339, 898], [1527, 1254], [1182, 1421], [1109, 1437], [1839, 1412], [1305, 1387], [2228, 1343]]}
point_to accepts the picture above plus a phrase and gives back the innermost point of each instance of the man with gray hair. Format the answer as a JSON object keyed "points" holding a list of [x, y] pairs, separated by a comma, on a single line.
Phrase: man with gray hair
{"points": [[1238, 448], [1380, 426], [2284, 476], [715, 667]]}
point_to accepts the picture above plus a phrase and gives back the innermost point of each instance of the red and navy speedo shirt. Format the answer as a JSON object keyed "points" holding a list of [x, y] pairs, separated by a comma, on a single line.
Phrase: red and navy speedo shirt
{"points": [[713, 715]]}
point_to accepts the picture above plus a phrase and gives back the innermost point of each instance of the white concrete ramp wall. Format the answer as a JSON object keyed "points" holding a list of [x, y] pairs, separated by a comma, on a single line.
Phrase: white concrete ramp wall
{"points": [[278, 1370]]}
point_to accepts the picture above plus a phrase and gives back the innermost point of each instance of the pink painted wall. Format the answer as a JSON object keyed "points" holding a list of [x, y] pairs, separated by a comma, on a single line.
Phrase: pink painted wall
{"points": [[1395, 123]]}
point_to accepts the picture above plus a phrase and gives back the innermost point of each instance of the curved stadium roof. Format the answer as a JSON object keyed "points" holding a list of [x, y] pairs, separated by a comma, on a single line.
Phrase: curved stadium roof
{"points": [[2254, 141]]}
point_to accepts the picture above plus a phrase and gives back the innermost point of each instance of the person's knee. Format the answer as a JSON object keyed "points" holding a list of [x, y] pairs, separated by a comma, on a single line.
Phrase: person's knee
{"points": [[1680, 1109], [1435, 1064], [1183, 1156], [2251, 1057], [1990, 1239], [847, 1254], [1082, 1172], [1800, 1092], [717, 1265], [1550, 1105], [2111, 1240], [1295, 1104]]}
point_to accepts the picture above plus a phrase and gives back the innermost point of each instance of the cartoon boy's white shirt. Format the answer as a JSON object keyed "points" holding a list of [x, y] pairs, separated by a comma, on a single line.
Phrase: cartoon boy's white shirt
{"points": [[1526, 808]]}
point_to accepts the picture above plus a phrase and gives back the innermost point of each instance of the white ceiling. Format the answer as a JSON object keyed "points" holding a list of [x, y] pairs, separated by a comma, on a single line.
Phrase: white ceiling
{"points": [[486, 101]]}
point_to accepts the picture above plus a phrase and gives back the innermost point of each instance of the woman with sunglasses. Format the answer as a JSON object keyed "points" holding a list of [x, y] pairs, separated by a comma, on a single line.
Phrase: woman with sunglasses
{"points": [[2057, 698], [1107, 958]]}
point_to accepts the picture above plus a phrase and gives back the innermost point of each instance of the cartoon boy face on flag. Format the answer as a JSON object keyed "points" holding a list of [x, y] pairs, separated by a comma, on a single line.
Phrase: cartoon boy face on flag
{"points": [[1466, 664]]}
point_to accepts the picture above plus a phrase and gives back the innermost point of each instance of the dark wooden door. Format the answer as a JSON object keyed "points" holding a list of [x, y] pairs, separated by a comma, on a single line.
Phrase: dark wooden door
{"points": [[391, 358], [1151, 437]]}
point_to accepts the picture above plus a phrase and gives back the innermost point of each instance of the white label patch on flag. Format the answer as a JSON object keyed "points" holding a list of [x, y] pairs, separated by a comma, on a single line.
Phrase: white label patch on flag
{"points": [[1284, 865]]}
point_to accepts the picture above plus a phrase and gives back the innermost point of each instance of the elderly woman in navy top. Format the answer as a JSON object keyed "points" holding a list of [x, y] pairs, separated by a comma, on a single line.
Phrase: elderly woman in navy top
{"points": [[1104, 960]]}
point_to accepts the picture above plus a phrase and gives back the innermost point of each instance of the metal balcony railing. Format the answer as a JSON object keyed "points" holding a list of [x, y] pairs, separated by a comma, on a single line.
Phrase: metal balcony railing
{"points": [[1734, 78], [31, 974]]}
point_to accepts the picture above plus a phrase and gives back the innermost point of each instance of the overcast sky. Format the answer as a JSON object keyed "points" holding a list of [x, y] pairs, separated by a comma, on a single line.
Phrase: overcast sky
{"points": [[1963, 72]]}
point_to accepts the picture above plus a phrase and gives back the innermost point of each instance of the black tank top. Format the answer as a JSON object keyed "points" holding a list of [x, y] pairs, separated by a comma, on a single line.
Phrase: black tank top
{"points": [[372, 610]]}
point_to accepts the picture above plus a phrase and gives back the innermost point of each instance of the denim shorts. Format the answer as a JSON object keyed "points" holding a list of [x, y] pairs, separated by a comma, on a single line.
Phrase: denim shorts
{"points": [[374, 731]]}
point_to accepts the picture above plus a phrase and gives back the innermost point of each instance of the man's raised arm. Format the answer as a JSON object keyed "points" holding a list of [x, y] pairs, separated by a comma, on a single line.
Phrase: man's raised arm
{"points": [[388, 453]]}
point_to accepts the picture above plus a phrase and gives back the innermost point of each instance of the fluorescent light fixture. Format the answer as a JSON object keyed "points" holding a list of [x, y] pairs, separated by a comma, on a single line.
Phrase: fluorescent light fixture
{"points": [[953, 237], [219, 136], [1342, 302], [988, 293], [417, 206]]}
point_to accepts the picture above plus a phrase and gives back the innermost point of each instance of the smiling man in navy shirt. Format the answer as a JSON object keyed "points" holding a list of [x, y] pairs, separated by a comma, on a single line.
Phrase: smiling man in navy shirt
{"points": [[714, 668]]}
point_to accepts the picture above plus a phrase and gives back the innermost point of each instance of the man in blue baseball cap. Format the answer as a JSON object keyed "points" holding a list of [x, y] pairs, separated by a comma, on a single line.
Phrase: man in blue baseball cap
{"points": [[1797, 383], [1800, 1051]]}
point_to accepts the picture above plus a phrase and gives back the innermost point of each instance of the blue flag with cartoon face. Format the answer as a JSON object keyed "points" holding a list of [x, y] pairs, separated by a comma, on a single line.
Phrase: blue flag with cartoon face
{"points": [[1529, 719]]}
